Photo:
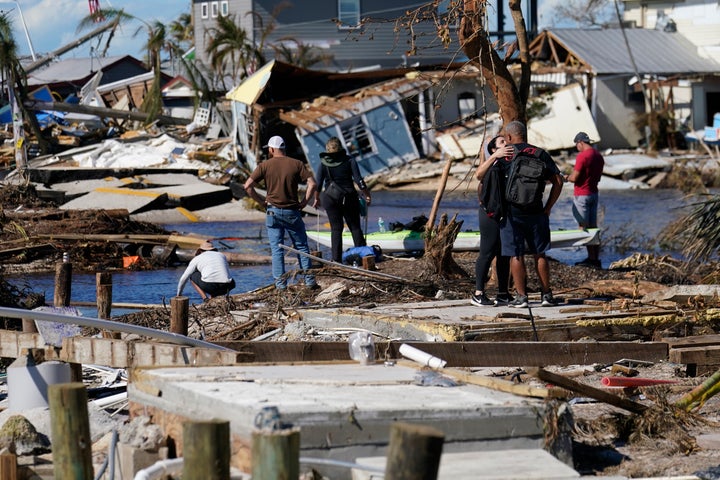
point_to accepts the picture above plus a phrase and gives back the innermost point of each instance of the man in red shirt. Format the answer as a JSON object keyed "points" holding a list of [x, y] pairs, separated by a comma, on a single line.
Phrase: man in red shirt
{"points": [[586, 175]]}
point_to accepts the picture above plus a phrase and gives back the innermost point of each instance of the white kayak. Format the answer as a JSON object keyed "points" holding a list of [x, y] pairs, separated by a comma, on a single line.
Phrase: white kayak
{"points": [[408, 240]]}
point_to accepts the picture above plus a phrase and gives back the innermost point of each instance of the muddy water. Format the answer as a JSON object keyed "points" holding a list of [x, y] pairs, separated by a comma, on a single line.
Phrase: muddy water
{"points": [[631, 219]]}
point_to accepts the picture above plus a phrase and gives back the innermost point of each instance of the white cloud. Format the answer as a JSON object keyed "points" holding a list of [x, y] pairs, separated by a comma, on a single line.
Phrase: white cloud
{"points": [[52, 24]]}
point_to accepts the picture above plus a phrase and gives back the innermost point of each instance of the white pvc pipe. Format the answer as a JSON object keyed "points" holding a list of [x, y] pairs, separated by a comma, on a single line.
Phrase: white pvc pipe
{"points": [[160, 469], [169, 337], [110, 399], [421, 357]]}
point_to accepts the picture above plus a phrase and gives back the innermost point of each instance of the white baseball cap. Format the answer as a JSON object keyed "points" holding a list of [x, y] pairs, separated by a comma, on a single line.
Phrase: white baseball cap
{"points": [[275, 142]]}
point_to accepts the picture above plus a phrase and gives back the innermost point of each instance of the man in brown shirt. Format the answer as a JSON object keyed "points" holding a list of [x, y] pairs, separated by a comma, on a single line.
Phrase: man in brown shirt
{"points": [[282, 175]]}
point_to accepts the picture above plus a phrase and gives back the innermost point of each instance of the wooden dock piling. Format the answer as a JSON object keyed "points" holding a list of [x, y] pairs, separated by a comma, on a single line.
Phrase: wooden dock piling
{"points": [[413, 452], [179, 309], [70, 426], [103, 289], [206, 450], [276, 454], [63, 284]]}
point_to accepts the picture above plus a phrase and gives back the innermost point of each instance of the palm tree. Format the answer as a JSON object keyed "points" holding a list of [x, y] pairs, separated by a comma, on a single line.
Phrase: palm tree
{"points": [[13, 75], [181, 37], [157, 41], [181, 30], [228, 35], [699, 230], [301, 54], [230, 48]]}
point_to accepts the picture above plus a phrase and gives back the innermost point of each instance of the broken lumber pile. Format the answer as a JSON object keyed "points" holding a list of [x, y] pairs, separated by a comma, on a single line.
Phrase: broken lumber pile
{"points": [[700, 353]]}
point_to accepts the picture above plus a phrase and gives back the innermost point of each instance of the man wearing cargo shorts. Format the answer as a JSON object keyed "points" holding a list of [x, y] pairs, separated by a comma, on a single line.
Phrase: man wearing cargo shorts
{"points": [[585, 176], [526, 230]]}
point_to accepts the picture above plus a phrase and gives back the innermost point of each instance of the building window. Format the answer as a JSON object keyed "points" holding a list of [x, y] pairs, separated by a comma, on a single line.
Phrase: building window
{"points": [[214, 9], [356, 137], [349, 14], [467, 106], [224, 8], [204, 10]]}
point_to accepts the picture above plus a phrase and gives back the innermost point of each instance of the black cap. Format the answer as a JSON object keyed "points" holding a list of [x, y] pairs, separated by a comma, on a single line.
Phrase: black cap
{"points": [[581, 137]]}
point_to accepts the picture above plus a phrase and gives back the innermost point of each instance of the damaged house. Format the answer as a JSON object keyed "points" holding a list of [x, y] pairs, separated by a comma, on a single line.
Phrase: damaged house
{"points": [[67, 77], [386, 117], [677, 82], [372, 123]]}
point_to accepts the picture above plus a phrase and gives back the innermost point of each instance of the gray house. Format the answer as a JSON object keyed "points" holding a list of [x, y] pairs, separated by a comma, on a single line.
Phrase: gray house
{"points": [[354, 34], [677, 81]]}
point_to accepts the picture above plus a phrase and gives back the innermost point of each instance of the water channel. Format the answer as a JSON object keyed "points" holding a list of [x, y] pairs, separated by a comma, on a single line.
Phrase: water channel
{"points": [[631, 220]]}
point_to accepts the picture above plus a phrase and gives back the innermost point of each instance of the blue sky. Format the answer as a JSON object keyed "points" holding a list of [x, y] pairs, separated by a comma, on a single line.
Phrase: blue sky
{"points": [[52, 24]]}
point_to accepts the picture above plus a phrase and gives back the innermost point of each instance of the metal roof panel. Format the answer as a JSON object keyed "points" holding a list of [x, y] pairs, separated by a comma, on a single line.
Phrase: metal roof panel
{"points": [[654, 51]]}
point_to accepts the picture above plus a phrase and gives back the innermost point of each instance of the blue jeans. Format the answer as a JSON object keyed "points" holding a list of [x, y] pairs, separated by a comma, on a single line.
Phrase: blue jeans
{"points": [[278, 221]]}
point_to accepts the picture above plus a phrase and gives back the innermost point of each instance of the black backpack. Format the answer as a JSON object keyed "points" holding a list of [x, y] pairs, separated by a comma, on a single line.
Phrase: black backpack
{"points": [[525, 181], [492, 193]]}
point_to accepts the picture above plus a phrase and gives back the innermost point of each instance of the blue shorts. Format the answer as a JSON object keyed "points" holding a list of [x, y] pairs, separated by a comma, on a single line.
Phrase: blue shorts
{"points": [[585, 210], [524, 234]]}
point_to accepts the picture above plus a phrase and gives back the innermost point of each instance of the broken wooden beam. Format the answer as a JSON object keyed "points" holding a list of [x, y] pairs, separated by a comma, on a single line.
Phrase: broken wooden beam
{"points": [[124, 354], [697, 360], [35, 105], [462, 354], [586, 390]]}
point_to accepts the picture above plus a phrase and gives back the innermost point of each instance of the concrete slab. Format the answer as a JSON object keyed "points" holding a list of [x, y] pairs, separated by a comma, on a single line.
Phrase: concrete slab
{"points": [[81, 187], [344, 411], [446, 320], [517, 464], [165, 179], [133, 201], [194, 196]]}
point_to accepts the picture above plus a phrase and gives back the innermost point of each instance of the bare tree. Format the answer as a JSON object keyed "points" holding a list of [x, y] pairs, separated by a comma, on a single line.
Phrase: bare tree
{"points": [[474, 37], [586, 13]]}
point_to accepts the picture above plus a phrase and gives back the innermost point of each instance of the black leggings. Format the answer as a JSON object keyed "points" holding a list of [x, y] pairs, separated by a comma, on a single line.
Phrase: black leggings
{"points": [[346, 211], [489, 249]]}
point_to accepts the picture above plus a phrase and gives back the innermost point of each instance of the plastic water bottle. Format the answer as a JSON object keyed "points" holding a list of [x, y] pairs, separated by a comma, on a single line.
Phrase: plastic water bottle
{"points": [[381, 224]]}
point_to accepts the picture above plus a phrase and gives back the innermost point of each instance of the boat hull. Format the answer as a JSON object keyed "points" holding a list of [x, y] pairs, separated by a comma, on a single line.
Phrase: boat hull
{"points": [[409, 241]]}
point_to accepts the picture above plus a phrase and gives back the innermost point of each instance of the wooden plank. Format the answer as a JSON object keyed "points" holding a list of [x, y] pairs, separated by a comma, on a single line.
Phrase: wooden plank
{"points": [[556, 331], [587, 390], [44, 247], [13, 342], [461, 354], [123, 354], [693, 341], [706, 355], [110, 237], [499, 384]]}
